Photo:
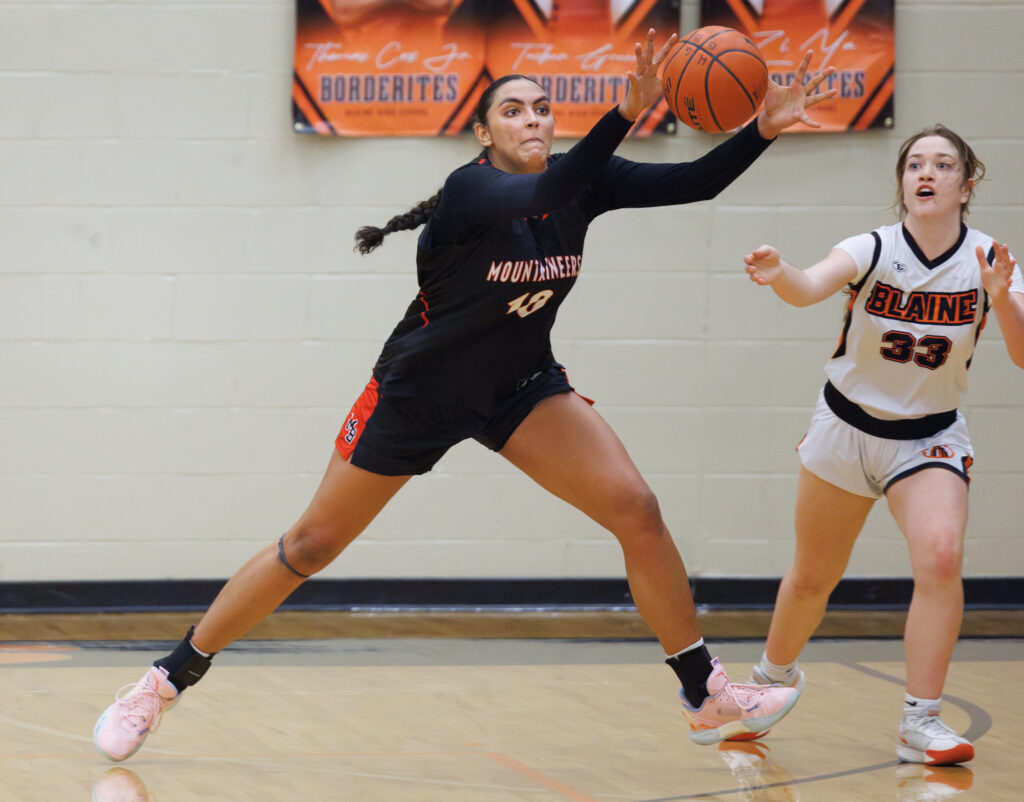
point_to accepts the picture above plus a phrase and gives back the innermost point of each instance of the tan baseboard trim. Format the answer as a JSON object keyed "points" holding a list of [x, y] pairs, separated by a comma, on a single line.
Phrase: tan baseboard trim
{"points": [[617, 625]]}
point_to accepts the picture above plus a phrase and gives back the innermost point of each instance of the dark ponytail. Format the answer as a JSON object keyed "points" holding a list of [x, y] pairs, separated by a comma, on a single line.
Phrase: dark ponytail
{"points": [[369, 237]]}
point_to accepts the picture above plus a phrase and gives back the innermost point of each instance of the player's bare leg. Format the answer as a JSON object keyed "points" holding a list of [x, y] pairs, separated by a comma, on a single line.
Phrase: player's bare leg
{"points": [[930, 508], [347, 500], [828, 520], [571, 451], [567, 448]]}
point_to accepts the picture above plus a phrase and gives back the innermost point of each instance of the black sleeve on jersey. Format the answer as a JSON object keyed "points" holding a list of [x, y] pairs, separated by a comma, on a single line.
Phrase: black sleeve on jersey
{"points": [[627, 184], [476, 194], [874, 263]]}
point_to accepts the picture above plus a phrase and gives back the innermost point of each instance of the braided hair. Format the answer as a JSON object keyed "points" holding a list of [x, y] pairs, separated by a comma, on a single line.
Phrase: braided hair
{"points": [[369, 237]]}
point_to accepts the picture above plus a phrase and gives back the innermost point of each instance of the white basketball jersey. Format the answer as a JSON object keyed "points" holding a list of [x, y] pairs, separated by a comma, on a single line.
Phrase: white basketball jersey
{"points": [[911, 323]]}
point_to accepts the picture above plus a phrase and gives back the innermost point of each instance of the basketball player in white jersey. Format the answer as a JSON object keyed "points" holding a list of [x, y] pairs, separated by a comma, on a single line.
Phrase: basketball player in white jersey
{"points": [[886, 422]]}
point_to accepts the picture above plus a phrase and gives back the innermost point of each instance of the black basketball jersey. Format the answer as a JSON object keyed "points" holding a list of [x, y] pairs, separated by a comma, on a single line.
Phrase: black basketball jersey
{"points": [[501, 251]]}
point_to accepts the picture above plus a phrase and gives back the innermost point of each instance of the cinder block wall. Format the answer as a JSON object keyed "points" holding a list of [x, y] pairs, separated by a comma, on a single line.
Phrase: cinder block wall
{"points": [[183, 323]]}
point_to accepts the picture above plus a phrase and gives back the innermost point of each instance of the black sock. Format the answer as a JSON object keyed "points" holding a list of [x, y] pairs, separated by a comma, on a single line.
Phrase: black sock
{"points": [[693, 669], [185, 666]]}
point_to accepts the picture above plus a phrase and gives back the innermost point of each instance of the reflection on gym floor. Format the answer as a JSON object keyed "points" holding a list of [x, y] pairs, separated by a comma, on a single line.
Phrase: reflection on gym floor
{"points": [[482, 720]]}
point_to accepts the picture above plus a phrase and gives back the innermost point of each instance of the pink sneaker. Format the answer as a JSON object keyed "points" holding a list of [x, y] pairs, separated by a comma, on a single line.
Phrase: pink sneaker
{"points": [[124, 725], [734, 711]]}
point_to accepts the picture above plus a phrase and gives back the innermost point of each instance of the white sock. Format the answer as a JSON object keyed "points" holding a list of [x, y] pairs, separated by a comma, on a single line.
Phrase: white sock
{"points": [[689, 648], [777, 673], [915, 706]]}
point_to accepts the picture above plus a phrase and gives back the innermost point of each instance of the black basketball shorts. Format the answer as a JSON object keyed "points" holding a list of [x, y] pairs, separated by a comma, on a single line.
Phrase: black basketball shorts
{"points": [[404, 436]]}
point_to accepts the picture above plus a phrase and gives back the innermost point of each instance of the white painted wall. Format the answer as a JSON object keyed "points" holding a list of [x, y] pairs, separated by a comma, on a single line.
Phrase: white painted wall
{"points": [[183, 323]]}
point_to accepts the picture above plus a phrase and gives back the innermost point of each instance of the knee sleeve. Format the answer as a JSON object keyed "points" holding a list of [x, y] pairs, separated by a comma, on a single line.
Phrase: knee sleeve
{"points": [[284, 560]]}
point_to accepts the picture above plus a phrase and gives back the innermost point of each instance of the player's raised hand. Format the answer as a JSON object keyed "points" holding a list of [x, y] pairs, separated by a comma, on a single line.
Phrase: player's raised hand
{"points": [[644, 85], [763, 265], [996, 277], [787, 105]]}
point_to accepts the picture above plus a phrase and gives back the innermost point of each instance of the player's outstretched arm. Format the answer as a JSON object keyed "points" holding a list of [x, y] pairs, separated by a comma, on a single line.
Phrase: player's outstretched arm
{"points": [[1008, 306], [787, 105], [800, 287]]}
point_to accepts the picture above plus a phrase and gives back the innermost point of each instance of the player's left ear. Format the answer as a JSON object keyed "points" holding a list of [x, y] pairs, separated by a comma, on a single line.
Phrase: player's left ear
{"points": [[483, 136]]}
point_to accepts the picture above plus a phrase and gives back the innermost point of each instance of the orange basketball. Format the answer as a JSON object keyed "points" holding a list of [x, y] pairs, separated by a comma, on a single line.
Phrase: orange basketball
{"points": [[715, 79]]}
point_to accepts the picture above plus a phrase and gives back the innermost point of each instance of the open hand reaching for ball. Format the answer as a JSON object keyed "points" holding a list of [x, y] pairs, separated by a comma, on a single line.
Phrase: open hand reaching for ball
{"points": [[787, 105]]}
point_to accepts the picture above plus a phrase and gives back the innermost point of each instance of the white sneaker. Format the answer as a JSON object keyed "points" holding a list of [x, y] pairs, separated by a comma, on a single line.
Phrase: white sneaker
{"points": [[122, 727], [926, 739], [794, 680]]}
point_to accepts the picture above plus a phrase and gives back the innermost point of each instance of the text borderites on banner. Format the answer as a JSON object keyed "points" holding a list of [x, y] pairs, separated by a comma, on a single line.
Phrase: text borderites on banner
{"points": [[418, 67], [857, 37], [383, 68]]}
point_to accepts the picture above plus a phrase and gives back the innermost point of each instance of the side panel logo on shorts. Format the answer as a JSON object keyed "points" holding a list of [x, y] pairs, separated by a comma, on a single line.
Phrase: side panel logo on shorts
{"points": [[939, 452], [351, 429]]}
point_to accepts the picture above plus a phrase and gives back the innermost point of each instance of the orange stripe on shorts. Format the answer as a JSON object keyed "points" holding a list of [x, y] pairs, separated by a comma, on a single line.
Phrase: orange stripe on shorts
{"points": [[355, 423]]}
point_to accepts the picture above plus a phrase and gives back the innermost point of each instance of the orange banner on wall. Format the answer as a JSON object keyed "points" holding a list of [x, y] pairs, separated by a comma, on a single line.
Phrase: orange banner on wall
{"points": [[417, 67], [857, 37]]}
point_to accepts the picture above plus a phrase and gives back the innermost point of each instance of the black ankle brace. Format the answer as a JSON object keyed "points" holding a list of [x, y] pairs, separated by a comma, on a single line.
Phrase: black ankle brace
{"points": [[284, 560], [185, 666], [693, 669]]}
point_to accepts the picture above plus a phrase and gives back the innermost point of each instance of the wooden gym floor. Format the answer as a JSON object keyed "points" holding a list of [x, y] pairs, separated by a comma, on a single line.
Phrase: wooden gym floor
{"points": [[480, 718]]}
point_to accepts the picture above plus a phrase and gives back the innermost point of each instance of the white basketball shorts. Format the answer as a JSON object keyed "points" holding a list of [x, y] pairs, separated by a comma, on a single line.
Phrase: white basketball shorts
{"points": [[866, 465]]}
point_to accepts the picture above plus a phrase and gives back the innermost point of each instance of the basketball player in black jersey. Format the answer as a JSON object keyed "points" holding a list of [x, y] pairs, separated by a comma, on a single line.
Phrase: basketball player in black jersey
{"points": [[501, 247]]}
